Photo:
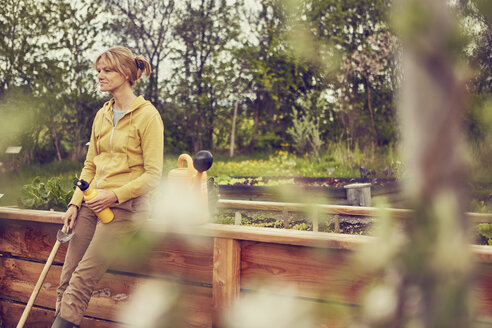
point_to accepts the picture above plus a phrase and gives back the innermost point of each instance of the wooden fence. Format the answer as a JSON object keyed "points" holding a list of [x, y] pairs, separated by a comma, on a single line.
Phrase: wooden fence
{"points": [[322, 211], [214, 266]]}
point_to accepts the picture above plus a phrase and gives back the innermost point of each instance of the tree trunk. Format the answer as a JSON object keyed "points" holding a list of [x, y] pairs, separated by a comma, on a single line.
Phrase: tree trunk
{"points": [[56, 143], [371, 112], [256, 118], [234, 117]]}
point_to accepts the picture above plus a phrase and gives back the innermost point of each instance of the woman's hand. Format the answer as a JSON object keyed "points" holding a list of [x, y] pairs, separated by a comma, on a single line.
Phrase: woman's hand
{"points": [[104, 198], [70, 216]]}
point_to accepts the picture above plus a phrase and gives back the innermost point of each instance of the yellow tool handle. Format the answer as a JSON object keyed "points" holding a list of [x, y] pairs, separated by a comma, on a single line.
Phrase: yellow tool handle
{"points": [[35, 292]]}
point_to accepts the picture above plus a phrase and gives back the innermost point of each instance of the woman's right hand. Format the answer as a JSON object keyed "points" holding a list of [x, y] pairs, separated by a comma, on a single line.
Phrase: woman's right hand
{"points": [[70, 216]]}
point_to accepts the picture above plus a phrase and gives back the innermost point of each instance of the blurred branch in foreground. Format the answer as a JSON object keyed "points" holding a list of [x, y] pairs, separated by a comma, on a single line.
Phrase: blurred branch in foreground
{"points": [[426, 278]]}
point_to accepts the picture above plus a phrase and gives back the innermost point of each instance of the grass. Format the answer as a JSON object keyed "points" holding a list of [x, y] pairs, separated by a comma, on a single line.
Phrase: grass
{"points": [[11, 182], [338, 160]]}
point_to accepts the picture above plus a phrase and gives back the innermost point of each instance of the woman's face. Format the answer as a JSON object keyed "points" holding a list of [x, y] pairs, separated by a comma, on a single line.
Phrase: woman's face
{"points": [[109, 80]]}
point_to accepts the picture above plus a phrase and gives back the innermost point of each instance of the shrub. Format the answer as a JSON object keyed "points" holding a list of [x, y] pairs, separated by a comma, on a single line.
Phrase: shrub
{"points": [[305, 134], [45, 196]]}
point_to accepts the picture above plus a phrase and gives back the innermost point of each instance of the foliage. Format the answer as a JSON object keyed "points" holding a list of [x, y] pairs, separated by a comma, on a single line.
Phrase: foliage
{"points": [[232, 181], [476, 22], [485, 229], [328, 60], [305, 134], [45, 58], [27, 28], [145, 27], [13, 181], [361, 97], [301, 226], [367, 80], [337, 160], [45, 195], [205, 30]]}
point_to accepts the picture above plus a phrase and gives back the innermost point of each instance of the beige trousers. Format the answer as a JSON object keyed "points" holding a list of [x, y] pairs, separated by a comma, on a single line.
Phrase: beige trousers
{"points": [[89, 253]]}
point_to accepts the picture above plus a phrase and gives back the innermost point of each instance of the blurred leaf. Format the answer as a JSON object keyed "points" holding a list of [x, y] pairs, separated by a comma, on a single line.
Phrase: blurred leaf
{"points": [[485, 8]]}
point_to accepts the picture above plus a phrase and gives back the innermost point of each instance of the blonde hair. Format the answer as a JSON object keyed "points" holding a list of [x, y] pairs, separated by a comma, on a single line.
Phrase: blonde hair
{"points": [[122, 60]]}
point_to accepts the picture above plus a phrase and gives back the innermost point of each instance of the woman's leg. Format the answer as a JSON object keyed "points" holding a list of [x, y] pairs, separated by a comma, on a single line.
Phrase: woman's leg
{"points": [[98, 258], [83, 232]]}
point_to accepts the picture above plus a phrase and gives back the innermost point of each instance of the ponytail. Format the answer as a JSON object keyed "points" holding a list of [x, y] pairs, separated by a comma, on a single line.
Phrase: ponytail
{"points": [[143, 66]]}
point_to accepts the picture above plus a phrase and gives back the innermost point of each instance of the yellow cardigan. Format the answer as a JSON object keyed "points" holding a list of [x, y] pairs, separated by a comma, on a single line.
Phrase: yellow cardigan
{"points": [[126, 159]]}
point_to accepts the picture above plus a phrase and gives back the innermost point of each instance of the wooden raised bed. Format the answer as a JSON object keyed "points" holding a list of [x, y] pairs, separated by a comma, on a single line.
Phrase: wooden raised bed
{"points": [[214, 264], [331, 188]]}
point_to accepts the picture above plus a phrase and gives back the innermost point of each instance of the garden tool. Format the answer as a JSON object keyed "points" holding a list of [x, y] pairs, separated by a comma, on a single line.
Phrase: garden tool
{"points": [[193, 179], [62, 236]]}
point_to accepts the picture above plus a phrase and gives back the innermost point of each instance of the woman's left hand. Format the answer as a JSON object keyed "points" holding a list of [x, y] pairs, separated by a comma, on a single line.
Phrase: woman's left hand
{"points": [[104, 199]]}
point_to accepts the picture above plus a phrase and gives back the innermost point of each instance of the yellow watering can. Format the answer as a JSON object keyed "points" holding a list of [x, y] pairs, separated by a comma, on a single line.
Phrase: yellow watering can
{"points": [[193, 180]]}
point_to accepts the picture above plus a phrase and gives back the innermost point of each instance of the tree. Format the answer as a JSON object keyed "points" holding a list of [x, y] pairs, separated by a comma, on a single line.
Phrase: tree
{"points": [[366, 79], [366, 83], [205, 32], [146, 26], [26, 60], [45, 53], [80, 31], [279, 76], [477, 22], [26, 30]]}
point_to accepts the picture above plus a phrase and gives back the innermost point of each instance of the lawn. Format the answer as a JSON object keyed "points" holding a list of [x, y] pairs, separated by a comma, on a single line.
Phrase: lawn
{"points": [[337, 160]]}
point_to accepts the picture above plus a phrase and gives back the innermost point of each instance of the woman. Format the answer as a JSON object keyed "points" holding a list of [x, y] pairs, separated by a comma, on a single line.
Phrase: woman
{"points": [[124, 162]]}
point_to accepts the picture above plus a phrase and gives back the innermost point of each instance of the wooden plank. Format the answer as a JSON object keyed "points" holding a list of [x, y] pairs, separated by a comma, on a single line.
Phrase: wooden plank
{"points": [[35, 240], [326, 275], [173, 255], [226, 276], [332, 209], [56, 217], [482, 253], [319, 265], [272, 303], [181, 258], [31, 215], [10, 313], [302, 207], [20, 276], [270, 235], [482, 288], [314, 273], [30, 239], [110, 297]]}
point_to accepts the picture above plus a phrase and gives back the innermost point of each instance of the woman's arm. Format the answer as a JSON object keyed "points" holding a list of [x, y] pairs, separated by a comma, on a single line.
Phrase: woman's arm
{"points": [[104, 199], [89, 170]]}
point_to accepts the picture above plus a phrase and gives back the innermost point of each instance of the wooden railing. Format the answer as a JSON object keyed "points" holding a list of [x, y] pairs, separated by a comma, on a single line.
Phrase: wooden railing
{"points": [[323, 210], [213, 264]]}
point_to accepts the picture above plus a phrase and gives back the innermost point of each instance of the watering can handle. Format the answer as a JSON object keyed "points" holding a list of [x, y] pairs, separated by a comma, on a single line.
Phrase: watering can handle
{"points": [[187, 158]]}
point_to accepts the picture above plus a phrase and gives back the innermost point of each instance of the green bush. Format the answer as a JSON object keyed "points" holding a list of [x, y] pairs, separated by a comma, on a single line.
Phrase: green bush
{"points": [[45, 196], [485, 229], [305, 134]]}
